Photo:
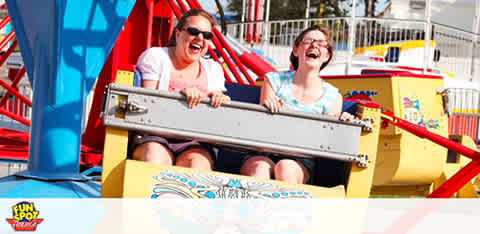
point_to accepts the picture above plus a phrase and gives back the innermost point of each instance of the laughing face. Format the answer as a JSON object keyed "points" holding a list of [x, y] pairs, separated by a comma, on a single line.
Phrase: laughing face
{"points": [[191, 47], [312, 50]]}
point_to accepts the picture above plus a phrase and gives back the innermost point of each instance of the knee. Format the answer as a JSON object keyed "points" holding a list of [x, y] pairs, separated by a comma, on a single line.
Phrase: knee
{"points": [[195, 158], [258, 166], [153, 152], [290, 171]]}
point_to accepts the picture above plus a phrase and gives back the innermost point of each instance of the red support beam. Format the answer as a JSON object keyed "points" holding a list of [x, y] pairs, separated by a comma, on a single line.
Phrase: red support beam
{"points": [[15, 93], [182, 5], [7, 39], [195, 4], [150, 8], [234, 57], [424, 133], [5, 21], [457, 181], [14, 116], [8, 52], [177, 13]]}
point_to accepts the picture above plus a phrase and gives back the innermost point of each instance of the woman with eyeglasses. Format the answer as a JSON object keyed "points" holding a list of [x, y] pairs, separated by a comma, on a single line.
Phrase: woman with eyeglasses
{"points": [[180, 67], [303, 90]]}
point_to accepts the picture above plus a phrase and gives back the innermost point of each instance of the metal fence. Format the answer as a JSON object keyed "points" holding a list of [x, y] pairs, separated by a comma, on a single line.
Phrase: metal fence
{"points": [[16, 106], [431, 45]]}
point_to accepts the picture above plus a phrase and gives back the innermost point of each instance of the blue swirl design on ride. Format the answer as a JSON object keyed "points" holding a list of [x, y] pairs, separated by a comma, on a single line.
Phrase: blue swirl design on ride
{"points": [[199, 185]]}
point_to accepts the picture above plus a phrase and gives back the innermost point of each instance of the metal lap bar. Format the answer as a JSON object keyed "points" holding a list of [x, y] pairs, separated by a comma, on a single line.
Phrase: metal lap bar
{"points": [[234, 124]]}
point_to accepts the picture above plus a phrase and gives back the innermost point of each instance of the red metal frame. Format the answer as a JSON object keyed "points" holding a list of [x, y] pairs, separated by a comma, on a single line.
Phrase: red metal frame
{"points": [[13, 145], [224, 44], [457, 181], [5, 21], [148, 22], [14, 84], [6, 40], [8, 52], [230, 65], [257, 28], [250, 9], [15, 93], [177, 13], [255, 18], [14, 116]]}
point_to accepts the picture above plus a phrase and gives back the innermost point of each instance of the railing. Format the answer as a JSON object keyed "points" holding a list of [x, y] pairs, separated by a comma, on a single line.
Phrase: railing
{"points": [[449, 49], [15, 101], [446, 50], [15, 105]]}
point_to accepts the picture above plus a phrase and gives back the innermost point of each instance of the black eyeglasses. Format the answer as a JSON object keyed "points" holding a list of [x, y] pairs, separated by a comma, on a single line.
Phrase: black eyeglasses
{"points": [[194, 32]]}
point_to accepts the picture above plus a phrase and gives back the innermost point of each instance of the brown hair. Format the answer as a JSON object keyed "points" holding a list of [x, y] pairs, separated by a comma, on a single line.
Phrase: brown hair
{"points": [[183, 20], [325, 31]]}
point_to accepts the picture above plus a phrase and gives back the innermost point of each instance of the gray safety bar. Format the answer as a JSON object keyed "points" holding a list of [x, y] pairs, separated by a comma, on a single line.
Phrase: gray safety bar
{"points": [[234, 124]]}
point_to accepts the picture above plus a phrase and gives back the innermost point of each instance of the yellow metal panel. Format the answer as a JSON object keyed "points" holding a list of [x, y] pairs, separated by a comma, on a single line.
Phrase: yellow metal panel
{"points": [[388, 159], [407, 160], [470, 189], [124, 77], [378, 89], [113, 166], [382, 49], [396, 105], [360, 179], [421, 104], [467, 191], [402, 190], [115, 150], [422, 161], [142, 180], [403, 159]]}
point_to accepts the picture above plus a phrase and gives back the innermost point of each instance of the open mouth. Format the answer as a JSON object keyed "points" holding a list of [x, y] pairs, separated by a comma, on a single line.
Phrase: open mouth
{"points": [[196, 48], [312, 55]]}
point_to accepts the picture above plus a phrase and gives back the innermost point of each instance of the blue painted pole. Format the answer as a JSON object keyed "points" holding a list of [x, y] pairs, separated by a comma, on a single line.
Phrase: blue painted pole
{"points": [[64, 44], [54, 150]]}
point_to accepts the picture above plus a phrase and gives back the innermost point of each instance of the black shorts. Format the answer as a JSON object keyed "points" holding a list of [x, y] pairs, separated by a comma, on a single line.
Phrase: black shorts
{"points": [[176, 146]]}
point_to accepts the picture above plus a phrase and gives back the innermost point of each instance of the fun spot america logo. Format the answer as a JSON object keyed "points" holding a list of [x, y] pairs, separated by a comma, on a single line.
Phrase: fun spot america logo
{"points": [[24, 217]]}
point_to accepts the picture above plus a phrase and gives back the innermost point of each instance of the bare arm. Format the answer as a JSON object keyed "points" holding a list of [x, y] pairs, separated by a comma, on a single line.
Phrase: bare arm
{"points": [[269, 98], [336, 110], [336, 107], [150, 84]]}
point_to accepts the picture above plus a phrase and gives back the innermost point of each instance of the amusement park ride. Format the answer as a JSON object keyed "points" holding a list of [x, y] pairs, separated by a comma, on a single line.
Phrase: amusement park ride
{"points": [[400, 144]]}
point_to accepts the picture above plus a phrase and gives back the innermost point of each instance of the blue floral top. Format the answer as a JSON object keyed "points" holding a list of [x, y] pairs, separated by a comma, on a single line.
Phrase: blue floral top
{"points": [[282, 85]]}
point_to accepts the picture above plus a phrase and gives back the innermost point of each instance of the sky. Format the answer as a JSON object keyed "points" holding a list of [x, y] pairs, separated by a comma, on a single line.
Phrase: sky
{"points": [[210, 6], [361, 8]]}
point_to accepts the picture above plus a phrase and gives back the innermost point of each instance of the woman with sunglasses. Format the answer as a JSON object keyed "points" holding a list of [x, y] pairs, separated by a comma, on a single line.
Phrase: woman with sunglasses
{"points": [[180, 67], [303, 90]]}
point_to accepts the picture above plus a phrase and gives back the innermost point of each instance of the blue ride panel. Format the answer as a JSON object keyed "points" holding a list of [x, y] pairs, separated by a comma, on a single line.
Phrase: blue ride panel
{"points": [[64, 44], [29, 188]]}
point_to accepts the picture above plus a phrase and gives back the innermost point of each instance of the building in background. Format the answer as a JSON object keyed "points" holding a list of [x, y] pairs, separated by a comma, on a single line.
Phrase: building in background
{"points": [[456, 13]]}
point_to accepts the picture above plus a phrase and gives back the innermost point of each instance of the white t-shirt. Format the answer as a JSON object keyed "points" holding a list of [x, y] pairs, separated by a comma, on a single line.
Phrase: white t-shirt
{"points": [[155, 64]]}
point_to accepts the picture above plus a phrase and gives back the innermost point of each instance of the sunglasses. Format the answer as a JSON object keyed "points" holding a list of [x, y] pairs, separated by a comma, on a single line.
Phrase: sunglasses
{"points": [[195, 32]]}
